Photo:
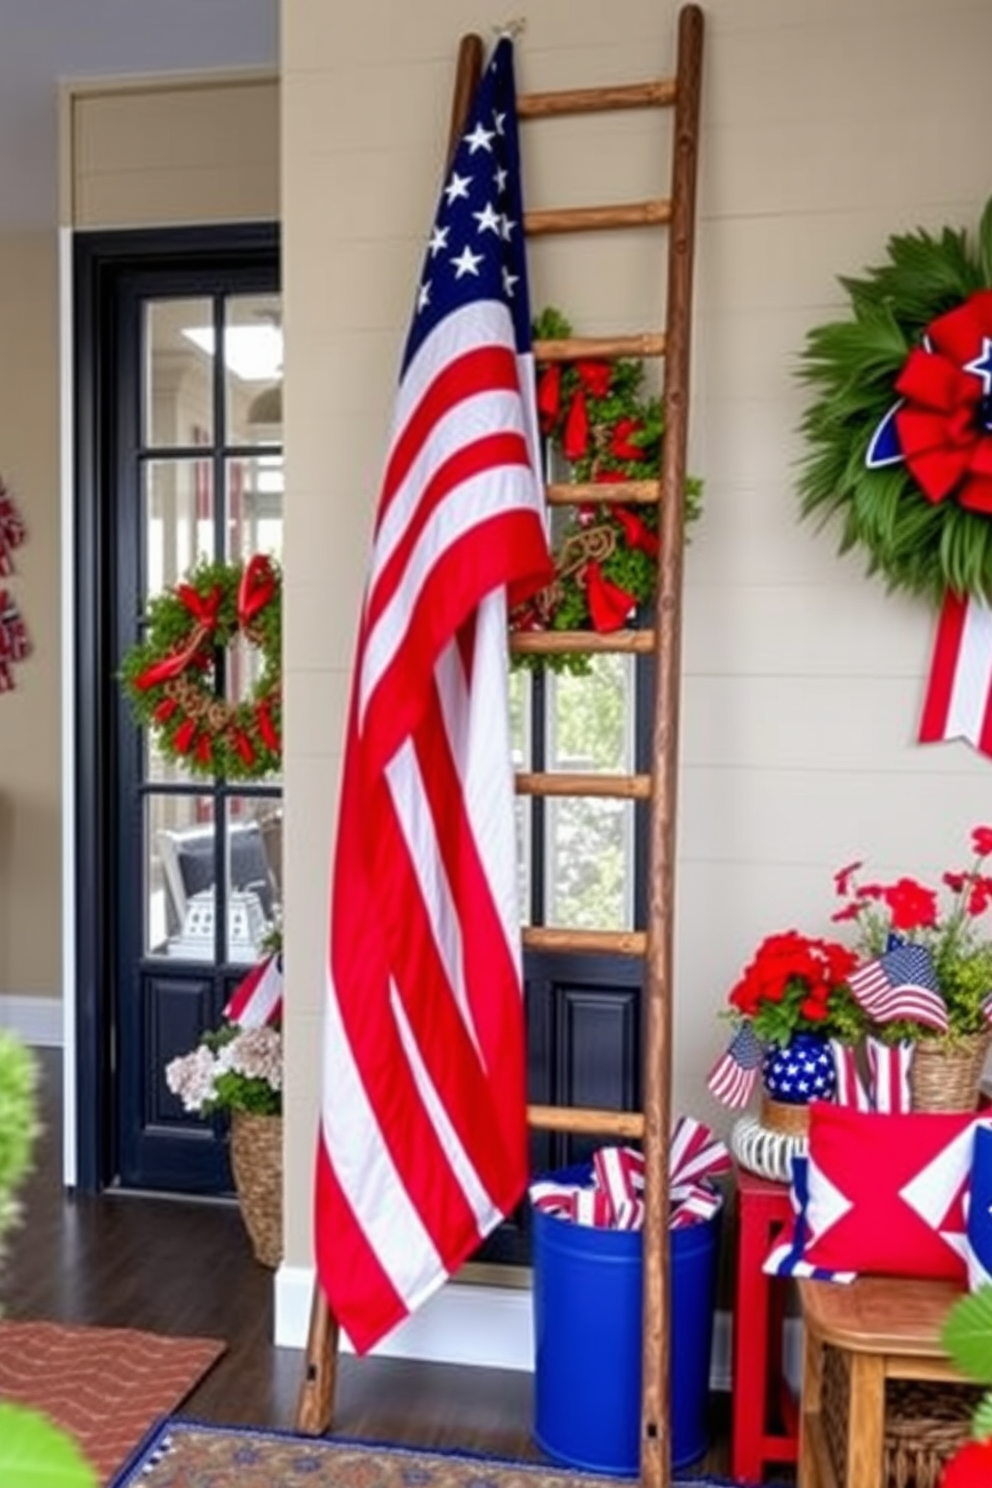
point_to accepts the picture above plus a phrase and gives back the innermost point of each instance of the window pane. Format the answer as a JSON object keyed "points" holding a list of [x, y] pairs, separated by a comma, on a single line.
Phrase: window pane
{"points": [[179, 520], [179, 876], [254, 504], [254, 873], [590, 864], [253, 369], [591, 719], [520, 698], [177, 395]]}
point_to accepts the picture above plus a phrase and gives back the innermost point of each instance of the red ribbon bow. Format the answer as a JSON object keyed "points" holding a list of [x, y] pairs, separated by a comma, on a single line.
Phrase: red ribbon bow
{"points": [[258, 585], [636, 531], [205, 610], [944, 425], [609, 605]]}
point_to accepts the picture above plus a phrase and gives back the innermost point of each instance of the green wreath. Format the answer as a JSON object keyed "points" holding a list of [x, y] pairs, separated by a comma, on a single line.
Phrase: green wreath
{"points": [[171, 675], [595, 416], [899, 437]]}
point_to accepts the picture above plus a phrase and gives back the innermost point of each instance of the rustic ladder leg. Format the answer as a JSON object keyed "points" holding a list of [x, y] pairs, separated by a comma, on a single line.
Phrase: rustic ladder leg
{"points": [[315, 1410]]}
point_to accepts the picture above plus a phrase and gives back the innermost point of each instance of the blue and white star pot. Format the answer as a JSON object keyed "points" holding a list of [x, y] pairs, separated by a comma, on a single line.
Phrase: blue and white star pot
{"points": [[801, 1072]]}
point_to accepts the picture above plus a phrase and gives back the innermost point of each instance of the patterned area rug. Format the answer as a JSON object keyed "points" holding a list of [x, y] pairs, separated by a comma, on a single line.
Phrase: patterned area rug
{"points": [[107, 1386], [184, 1454]]}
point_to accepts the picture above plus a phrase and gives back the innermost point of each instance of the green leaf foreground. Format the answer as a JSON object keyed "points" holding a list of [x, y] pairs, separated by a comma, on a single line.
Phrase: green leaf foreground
{"points": [[967, 1338], [34, 1453]]}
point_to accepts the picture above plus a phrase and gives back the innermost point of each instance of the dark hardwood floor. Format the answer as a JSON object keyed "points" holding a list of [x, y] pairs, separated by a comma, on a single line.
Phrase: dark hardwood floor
{"points": [[185, 1267]]}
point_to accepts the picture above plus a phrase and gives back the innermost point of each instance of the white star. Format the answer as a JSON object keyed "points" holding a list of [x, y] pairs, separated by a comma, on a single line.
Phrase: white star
{"points": [[424, 295], [507, 226], [509, 280], [480, 139], [803, 1086], [498, 121], [467, 262], [457, 186], [501, 176], [982, 365], [488, 219], [439, 240]]}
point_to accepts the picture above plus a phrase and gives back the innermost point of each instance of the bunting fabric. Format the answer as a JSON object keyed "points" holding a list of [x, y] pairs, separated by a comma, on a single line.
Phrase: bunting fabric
{"points": [[423, 1137], [258, 999], [958, 702]]}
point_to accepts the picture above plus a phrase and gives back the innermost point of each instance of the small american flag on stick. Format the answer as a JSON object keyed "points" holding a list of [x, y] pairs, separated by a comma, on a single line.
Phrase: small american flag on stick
{"points": [[733, 1077], [901, 984]]}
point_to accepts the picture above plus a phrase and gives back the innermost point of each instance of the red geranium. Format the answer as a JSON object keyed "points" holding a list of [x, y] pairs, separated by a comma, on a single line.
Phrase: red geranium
{"points": [[795, 982]]}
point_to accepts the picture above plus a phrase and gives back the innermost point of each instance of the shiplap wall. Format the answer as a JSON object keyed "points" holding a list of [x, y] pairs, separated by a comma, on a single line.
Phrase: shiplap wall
{"points": [[827, 125]]}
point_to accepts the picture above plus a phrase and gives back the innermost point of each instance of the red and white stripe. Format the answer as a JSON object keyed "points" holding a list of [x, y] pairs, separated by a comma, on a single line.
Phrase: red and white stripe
{"points": [[851, 1090], [258, 999], [958, 703], [423, 1136], [888, 1066]]}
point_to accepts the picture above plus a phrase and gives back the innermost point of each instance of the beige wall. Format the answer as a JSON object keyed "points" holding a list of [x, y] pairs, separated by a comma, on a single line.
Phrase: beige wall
{"points": [[827, 125], [170, 151], [30, 931]]}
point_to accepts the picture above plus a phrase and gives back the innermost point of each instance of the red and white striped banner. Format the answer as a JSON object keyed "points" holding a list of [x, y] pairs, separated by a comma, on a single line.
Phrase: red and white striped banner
{"points": [[889, 1066], [258, 999], [958, 703], [851, 1090]]}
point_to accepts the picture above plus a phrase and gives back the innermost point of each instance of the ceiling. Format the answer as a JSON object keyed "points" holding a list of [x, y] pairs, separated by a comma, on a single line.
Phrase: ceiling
{"points": [[43, 42]]}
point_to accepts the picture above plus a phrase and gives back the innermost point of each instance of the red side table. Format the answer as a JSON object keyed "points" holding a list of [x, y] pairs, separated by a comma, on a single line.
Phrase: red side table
{"points": [[758, 1385]]}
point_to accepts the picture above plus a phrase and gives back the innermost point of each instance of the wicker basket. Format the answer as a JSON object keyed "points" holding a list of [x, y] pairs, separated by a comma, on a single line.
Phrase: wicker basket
{"points": [[256, 1160], [784, 1116], [924, 1424], [945, 1072]]}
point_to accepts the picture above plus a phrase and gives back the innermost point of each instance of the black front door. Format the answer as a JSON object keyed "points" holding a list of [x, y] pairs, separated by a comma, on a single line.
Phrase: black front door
{"points": [[179, 878]]}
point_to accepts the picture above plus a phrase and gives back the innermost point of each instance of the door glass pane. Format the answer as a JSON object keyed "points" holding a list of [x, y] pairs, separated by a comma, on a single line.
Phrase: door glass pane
{"points": [[179, 520], [254, 873], [179, 876], [590, 852], [253, 368], [177, 395], [590, 843], [255, 505], [520, 745]]}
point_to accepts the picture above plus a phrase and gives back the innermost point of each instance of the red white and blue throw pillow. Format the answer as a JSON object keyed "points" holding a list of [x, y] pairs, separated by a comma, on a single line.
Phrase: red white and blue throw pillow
{"points": [[980, 1211], [882, 1194]]}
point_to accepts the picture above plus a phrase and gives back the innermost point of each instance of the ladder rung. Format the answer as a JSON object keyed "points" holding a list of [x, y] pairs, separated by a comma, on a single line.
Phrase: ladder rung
{"points": [[577, 348], [651, 213], [575, 493], [586, 1122], [659, 93], [591, 942], [568, 642], [561, 783]]}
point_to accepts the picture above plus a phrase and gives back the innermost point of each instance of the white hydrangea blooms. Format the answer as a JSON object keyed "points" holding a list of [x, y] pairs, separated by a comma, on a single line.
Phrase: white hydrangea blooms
{"points": [[202, 1078]]}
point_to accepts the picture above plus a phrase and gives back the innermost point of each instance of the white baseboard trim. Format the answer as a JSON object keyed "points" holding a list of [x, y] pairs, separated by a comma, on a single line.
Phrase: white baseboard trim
{"points": [[487, 1326], [37, 1020]]}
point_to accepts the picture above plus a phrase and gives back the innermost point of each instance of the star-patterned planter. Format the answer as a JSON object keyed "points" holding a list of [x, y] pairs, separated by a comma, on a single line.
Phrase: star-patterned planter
{"points": [[801, 1072]]}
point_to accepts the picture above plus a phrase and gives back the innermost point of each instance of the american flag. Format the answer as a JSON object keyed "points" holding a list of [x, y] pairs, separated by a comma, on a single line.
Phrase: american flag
{"points": [[901, 984], [258, 999], [735, 1074], [889, 1066], [423, 1142]]}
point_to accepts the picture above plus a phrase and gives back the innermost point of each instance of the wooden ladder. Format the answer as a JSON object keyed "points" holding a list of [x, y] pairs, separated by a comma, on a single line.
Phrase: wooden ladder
{"points": [[654, 944]]}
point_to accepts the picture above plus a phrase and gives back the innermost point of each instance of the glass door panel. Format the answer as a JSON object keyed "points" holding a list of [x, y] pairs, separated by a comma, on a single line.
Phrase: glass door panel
{"points": [[178, 375]]}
